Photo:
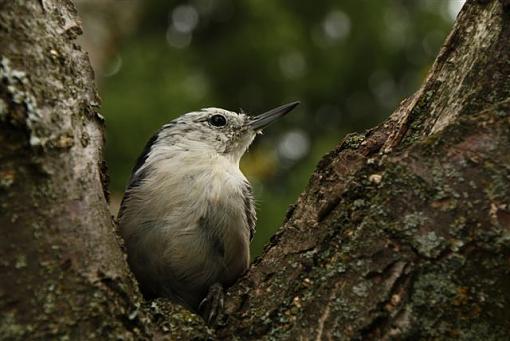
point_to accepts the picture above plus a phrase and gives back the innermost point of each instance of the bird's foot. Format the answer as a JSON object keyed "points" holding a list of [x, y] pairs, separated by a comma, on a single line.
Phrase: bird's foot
{"points": [[212, 305]]}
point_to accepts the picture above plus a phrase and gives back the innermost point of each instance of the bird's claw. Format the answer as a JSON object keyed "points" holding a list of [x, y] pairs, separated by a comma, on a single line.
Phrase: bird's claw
{"points": [[212, 305]]}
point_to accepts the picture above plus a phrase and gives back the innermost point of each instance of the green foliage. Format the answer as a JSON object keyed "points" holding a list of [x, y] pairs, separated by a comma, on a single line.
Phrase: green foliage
{"points": [[349, 62]]}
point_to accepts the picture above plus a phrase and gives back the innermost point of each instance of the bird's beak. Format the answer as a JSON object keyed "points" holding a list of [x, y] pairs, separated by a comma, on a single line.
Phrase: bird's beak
{"points": [[261, 121]]}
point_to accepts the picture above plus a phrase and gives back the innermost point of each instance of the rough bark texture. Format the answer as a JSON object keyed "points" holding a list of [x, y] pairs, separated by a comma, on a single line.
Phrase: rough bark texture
{"points": [[62, 271], [403, 231]]}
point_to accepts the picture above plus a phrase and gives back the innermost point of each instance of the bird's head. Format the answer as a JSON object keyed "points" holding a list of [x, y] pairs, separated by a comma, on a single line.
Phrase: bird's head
{"points": [[218, 130]]}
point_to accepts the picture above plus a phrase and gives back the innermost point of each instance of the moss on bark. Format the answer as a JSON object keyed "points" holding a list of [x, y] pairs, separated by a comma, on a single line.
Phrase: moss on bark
{"points": [[402, 232]]}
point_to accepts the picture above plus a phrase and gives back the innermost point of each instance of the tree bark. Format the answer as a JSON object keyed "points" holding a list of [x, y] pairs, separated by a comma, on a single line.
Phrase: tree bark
{"points": [[63, 272], [403, 231]]}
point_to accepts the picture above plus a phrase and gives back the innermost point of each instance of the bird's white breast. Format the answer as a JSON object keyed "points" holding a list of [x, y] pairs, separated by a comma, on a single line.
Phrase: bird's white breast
{"points": [[185, 201]]}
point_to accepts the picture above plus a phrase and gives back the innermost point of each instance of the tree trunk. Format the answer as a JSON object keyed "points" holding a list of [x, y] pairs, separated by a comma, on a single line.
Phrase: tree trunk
{"points": [[402, 232], [63, 273]]}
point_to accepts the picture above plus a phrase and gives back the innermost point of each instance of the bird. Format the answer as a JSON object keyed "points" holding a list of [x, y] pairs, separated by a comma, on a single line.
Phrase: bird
{"points": [[188, 216]]}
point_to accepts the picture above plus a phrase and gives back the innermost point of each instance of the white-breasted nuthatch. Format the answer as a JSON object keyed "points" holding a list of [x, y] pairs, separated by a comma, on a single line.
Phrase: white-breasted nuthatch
{"points": [[188, 216]]}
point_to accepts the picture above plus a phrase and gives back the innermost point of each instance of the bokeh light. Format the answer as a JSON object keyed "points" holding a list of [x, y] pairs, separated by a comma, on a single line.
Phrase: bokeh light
{"points": [[350, 63]]}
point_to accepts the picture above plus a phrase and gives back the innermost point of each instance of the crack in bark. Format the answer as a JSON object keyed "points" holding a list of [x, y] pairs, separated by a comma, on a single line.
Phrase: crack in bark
{"points": [[353, 273]]}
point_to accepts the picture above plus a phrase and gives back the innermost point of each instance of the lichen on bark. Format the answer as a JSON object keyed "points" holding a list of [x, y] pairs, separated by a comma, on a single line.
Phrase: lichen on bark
{"points": [[62, 268], [402, 232]]}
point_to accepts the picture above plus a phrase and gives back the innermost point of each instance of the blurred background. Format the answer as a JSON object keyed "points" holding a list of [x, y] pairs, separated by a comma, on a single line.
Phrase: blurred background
{"points": [[349, 62]]}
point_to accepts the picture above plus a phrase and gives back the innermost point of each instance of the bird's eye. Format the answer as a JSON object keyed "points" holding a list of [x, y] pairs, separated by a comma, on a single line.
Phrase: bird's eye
{"points": [[218, 120]]}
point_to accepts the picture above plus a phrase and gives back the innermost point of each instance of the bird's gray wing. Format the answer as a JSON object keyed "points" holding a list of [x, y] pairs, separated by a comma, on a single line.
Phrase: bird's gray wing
{"points": [[249, 208]]}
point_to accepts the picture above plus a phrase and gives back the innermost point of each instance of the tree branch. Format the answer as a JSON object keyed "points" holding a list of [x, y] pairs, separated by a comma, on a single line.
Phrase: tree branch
{"points": [[402, 232], [63, 271]]}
